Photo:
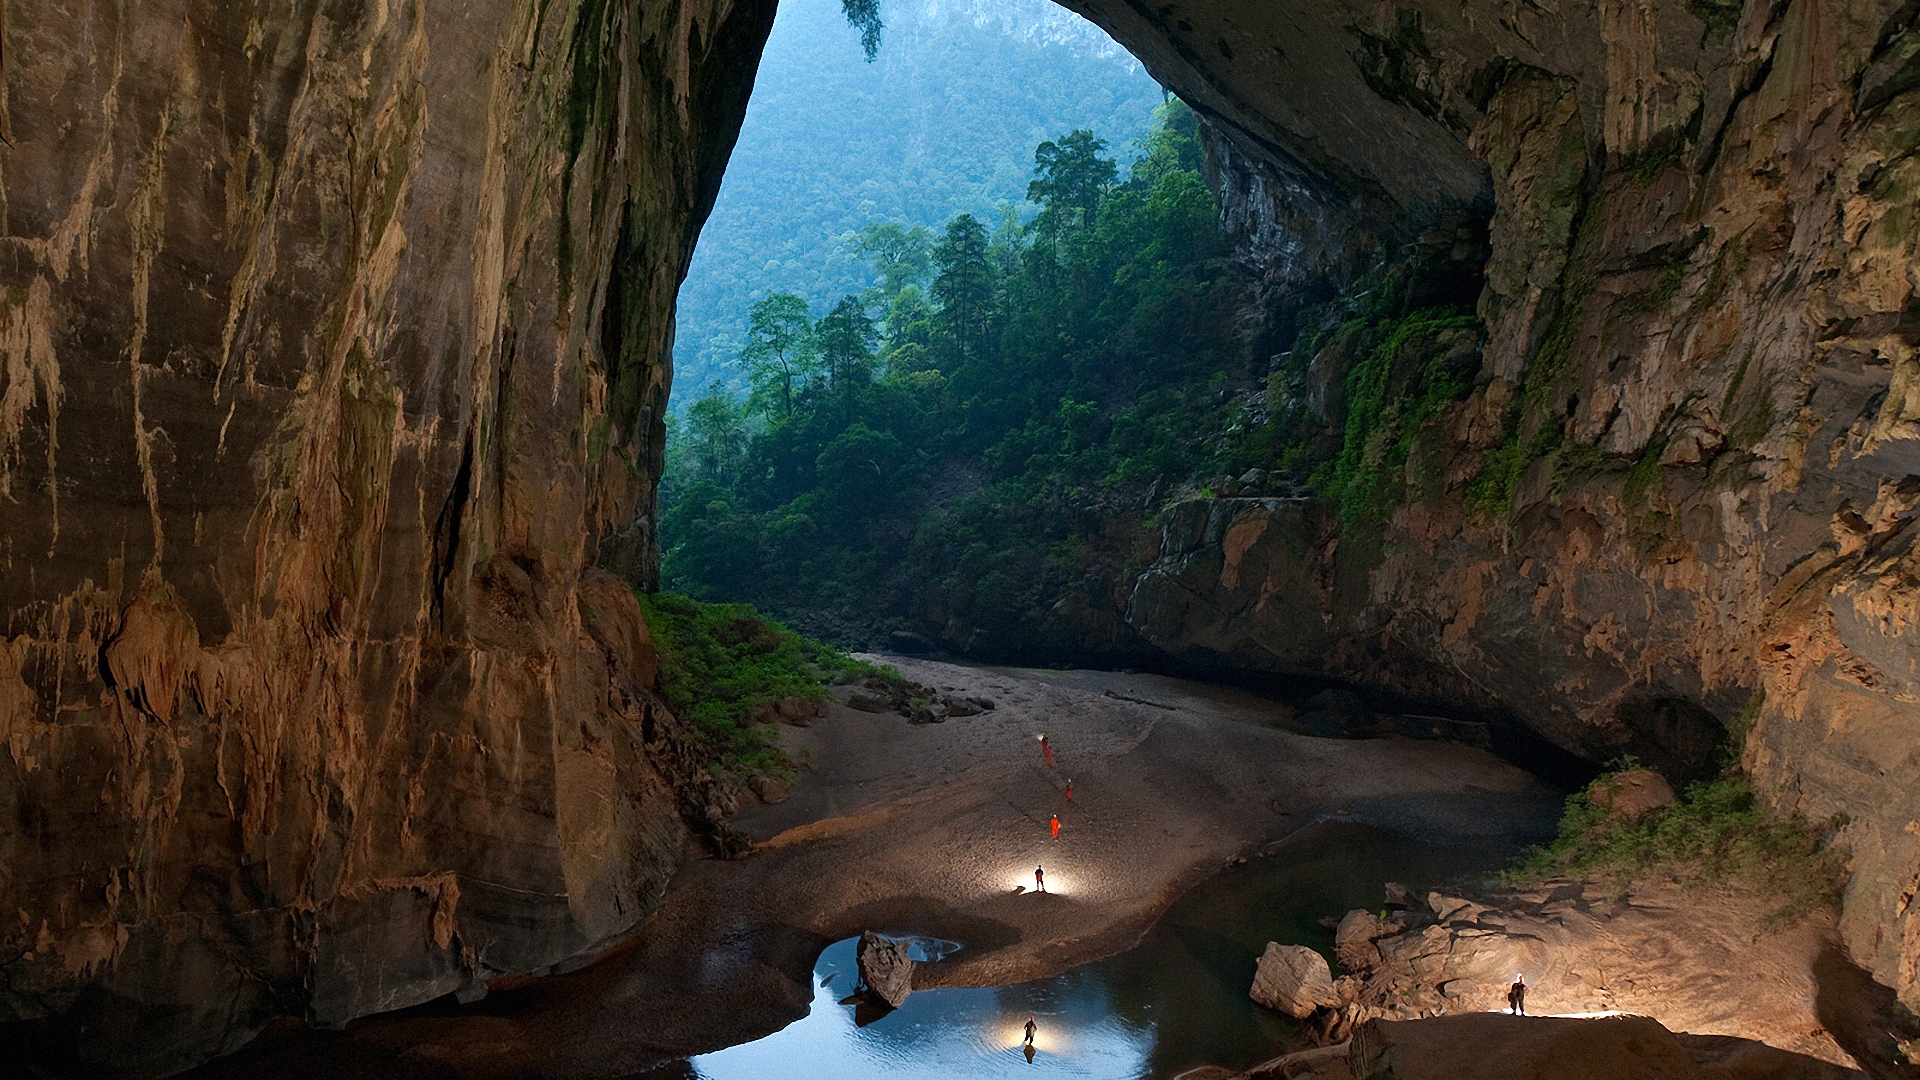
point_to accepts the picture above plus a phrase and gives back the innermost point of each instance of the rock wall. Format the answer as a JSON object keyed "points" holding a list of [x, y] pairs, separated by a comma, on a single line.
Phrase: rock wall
{"points": [[333, 343], [333, 350], [1677, 505]]}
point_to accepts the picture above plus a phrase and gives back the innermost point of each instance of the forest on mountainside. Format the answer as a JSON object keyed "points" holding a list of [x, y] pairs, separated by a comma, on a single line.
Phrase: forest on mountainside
{"points": [[942, 121], [1006, 413]]}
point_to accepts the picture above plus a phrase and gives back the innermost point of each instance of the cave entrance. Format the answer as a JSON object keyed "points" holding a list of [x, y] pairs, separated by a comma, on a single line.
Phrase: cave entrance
{"points": [[839, 379]]}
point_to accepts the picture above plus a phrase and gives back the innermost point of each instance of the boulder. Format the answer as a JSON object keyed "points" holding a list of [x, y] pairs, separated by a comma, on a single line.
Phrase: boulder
{"points": [[885, 967], [1399, 896], [869, 701], [1293, 979], [1633, 793], [1353, 939], [1453, 909]]}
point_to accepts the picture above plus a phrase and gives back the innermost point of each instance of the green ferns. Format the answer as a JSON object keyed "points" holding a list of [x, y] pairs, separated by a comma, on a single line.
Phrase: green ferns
{"points": [[723, 665], [1717, 833]]}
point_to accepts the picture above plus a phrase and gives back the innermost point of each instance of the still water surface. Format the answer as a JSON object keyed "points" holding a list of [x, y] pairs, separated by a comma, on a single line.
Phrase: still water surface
{"points": [[1175, 1001]]}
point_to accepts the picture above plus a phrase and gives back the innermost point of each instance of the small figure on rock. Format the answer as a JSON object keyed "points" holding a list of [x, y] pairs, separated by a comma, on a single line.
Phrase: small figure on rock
{"points": [[1069, 789], [1031, 1028], [1046, 748], [1056, 826], [1039, 879], [1517, 996]]}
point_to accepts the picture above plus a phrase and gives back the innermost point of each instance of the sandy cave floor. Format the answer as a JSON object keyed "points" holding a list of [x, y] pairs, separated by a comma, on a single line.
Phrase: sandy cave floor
{"points": [[913, 828]]}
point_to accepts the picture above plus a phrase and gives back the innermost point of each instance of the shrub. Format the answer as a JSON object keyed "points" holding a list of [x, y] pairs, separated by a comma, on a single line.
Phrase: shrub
{"points": [[723, 664], [1717, 833]]}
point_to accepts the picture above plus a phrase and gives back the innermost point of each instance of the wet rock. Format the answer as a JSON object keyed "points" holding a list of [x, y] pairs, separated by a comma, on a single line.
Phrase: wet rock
{"points": [[886, 968], [1634, 793], [1293, 979]]}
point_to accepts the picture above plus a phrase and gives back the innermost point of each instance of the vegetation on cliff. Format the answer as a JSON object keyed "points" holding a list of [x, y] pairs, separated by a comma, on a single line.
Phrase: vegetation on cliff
{"points": [[725, 666], [1717, 832]]}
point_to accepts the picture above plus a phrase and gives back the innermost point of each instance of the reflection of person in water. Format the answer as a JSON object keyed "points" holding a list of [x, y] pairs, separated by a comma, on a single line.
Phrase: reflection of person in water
{"points": [[1031, 1028]]}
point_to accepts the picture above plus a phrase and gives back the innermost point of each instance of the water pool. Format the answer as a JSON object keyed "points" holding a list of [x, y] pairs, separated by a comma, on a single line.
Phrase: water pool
{"points": [[1176, 1000]]}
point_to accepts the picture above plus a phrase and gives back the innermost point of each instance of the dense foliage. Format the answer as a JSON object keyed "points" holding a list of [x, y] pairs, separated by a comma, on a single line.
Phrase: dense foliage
{"points": [[724, 664], [978, 421], [942, 121], [1717, 833]]}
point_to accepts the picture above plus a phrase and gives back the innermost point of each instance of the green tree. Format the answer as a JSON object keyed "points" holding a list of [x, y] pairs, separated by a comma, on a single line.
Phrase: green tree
{"points": [[781, 354], [964, 288], [847, 336], [909, 333], [1069, 180], [865, 17], [901, 256], [716, 434]]}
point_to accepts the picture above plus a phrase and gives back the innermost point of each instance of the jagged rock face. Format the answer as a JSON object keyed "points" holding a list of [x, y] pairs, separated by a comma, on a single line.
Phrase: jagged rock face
{"points": [[1700, 375], [333, 345]]}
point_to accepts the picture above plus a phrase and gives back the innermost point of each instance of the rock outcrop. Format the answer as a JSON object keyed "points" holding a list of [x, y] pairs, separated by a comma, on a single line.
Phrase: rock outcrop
{"points": [[333, 345], [886, 968], [1293, 979], [1587, 950], [1676, 507]]}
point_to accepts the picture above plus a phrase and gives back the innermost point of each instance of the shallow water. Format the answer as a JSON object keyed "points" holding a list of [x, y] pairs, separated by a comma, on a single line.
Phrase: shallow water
{"points": [[1175, 1001]]}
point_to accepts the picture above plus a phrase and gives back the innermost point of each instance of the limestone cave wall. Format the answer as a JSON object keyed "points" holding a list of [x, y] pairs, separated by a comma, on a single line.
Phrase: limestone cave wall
{"points": [[1677, 507], [333, 346], [333, 352]]}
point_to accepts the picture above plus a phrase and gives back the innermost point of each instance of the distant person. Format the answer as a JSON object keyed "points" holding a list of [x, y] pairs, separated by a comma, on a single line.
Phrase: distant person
{"points": [[1517, 996], [1056, 826], [1039, 879], [1069, 789], [1046, 748], [1031, 1028]]}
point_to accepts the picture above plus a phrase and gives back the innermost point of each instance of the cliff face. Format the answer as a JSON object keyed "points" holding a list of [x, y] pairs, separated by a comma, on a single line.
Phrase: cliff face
{"points": [[333, 344], [1677, 504]]}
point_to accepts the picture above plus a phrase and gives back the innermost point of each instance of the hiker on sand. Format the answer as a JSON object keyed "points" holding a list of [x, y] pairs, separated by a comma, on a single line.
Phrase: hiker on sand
{"points": [[1039, 880], [1056, 826], [1047, 749], [1031, 1028], [1517, 996], [1069, 789]]}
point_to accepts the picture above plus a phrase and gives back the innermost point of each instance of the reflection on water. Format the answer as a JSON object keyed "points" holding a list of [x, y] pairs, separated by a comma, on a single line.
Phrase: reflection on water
{"points": [[1175, 1001]]}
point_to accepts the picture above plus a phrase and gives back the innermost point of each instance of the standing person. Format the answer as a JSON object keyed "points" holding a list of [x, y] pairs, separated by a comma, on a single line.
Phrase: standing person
{"points": [[1039, 879], [1031, 1028], [1056, 826], [1069, 789], [1517, 996], [1047, 749]]}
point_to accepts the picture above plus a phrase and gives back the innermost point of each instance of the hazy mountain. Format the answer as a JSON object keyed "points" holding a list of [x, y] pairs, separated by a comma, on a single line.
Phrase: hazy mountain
{"points": [[943, 121]]}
